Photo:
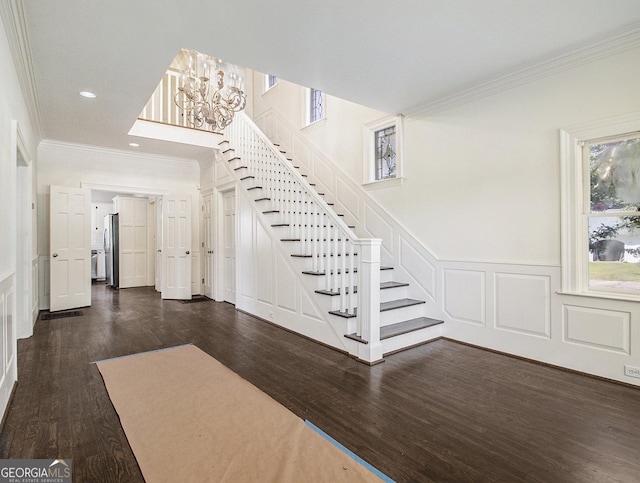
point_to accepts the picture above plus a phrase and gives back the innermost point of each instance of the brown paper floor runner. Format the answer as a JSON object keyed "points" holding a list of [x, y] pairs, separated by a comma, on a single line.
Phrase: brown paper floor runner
{"points": [[190, 419]]}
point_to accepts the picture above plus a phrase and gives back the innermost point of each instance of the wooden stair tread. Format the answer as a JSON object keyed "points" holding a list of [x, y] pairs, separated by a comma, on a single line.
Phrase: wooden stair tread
{"points": [[398, 304], [407, 326], [308, 255], [309, 272], [357, 338], [384, 306], [344, 315], [383, 286], [400, 328]]}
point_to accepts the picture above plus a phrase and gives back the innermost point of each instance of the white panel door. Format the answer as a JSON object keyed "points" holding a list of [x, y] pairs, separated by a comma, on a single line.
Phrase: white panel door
{"points": [[133, 241], [176, 247], [208, 245], [229, 207], [70, 248]]}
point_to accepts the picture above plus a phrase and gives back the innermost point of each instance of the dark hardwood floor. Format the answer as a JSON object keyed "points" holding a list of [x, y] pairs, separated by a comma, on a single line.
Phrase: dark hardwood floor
{"points": [[440, 412]]}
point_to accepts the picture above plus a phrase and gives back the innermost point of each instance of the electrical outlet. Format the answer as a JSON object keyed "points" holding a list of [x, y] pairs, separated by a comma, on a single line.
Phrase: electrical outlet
{"points": [[632, 371]]}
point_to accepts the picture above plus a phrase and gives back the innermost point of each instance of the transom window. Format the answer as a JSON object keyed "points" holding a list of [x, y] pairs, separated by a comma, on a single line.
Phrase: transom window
{"points": [[611, 211]]}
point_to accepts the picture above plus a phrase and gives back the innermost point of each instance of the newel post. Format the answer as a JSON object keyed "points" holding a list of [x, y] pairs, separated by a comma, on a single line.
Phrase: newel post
{"points": [[369, 300]]}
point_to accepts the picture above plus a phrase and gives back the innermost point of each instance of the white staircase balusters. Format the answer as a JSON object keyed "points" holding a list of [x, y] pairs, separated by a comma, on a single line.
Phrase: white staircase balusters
{"points": [[334, 249]]}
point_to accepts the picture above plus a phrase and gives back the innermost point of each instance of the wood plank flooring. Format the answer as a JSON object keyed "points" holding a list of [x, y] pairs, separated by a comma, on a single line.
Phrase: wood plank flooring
{"points": [[440, 412]]}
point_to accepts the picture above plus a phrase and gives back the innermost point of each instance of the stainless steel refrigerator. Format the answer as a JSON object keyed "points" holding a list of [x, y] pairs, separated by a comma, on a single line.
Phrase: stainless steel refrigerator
{"points": [[111, 249]]}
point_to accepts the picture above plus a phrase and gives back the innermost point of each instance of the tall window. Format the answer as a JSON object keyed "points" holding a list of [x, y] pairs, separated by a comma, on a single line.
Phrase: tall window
{"points": [[611, 211], [600, 188], [386, 153], [315, 106]]}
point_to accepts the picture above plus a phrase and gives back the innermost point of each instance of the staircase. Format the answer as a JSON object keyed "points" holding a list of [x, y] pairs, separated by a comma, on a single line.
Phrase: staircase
{"points": [[351, 284]]}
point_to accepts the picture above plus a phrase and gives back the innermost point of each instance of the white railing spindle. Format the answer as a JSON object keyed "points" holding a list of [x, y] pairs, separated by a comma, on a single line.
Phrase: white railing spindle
{"points": [[334, 249]]}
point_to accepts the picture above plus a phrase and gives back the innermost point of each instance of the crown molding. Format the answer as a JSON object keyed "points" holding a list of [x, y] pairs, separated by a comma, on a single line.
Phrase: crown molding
{"points": [[15, 25], [182, 162], [600, 47]]}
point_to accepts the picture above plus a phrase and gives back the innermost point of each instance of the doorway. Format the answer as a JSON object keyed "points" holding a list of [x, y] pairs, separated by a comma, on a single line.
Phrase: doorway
{"points": [[26, 261]]}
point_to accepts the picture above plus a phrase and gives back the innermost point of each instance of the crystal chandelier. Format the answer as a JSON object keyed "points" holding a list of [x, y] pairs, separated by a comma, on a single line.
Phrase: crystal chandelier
{"points": [[205, 104]]}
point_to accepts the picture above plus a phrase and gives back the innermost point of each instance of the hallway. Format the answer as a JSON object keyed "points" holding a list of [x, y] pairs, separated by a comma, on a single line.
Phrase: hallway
{"points": [[440, 412]]}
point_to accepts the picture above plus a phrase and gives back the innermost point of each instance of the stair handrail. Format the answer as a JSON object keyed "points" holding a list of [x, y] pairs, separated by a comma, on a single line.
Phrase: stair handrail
{"points": [[366, 320], [243, 118]]}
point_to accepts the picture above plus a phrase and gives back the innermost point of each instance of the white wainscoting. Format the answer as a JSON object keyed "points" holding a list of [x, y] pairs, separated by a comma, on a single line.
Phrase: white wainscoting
{"points": [[512, 308], [8, 346], [43, 282], [35, 294]]}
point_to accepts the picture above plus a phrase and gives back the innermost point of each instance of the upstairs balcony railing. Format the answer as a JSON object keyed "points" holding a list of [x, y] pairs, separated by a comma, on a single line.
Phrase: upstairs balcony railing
{"points": [[161, 106]]}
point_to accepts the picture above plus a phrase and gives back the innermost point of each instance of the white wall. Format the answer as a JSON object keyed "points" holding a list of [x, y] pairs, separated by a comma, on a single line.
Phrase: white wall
{"points": [[481, 201], [65, 164], [493, 163], [13, 112], [339, 136]]}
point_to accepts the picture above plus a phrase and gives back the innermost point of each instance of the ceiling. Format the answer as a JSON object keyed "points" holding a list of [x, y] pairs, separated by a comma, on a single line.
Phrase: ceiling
{"points": [[397, 57]]}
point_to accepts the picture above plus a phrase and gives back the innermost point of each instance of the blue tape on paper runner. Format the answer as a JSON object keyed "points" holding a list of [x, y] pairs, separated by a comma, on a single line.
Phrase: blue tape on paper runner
{"points": [[373, 470]]}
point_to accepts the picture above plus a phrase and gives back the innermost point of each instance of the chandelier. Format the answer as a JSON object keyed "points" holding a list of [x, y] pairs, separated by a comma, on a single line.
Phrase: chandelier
{"points": [[207, 104]]}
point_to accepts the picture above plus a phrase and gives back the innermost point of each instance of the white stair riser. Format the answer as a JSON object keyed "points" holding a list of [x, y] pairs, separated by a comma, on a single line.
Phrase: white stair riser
{"points": [[389, 317], [406, 340], [395, 293]]}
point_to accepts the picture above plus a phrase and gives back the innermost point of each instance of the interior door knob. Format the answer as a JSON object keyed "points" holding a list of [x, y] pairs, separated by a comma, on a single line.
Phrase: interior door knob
{"points": [[54, 255], [187, 252]]}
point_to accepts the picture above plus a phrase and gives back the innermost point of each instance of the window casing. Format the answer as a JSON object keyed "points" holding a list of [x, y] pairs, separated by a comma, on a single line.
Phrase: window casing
{"points": [[600, 168], [315, 106], [270, 81]]}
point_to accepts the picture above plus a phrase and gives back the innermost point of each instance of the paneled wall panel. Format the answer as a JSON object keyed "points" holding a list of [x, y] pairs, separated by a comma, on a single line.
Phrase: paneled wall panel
{"points": [[287, 291], [264, 259], [464, 295], [596, 328], [421, 269], [379, 228], [523, 303]]}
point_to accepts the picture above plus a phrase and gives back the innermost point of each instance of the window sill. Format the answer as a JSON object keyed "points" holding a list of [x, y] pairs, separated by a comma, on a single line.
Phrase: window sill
{"points": [[383, 183], [622, 297], [314, 124]]}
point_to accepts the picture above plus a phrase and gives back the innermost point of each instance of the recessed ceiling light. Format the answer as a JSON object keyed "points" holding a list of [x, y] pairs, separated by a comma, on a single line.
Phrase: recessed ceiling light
{"points": [[88, 94], [134, 145]]}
